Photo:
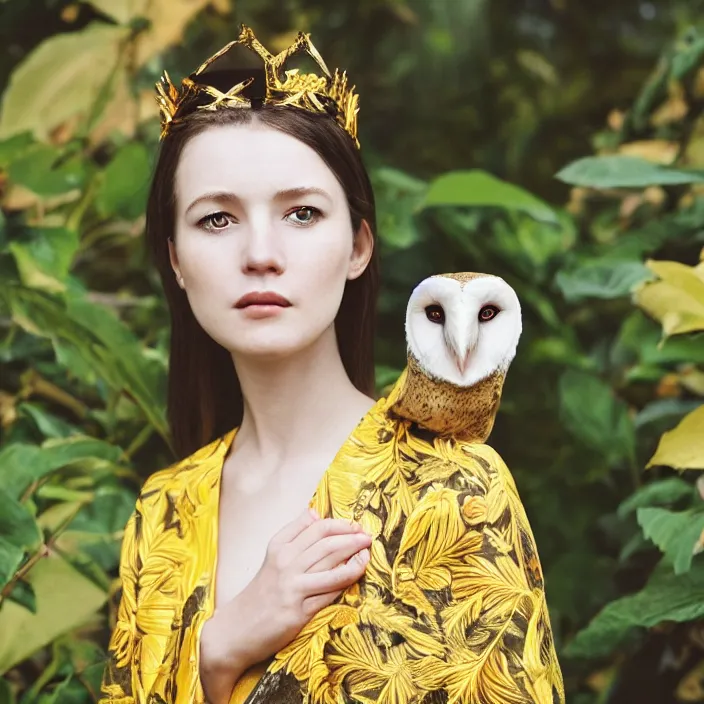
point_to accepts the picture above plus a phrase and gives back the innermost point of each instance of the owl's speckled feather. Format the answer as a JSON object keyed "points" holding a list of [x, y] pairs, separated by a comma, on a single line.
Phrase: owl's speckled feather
{"points": [[465, 413]]}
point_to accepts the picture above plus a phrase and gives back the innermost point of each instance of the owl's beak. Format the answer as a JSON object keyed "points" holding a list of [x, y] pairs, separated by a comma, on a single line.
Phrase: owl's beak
{"points": [[461, 360], [460, 343]]}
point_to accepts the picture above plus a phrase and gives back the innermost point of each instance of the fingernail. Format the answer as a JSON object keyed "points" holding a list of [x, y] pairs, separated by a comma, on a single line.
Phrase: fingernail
{"points": [[363, 556], [314, 514]]}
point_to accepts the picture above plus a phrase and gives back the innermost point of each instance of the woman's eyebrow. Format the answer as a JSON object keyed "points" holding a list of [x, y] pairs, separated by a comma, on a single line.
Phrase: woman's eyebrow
{"points": [[300, 192], [216, 196], [283, 194]]}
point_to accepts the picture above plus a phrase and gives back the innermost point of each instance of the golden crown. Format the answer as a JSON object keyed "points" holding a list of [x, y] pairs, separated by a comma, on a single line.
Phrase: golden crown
{"points": [[327, 93]]}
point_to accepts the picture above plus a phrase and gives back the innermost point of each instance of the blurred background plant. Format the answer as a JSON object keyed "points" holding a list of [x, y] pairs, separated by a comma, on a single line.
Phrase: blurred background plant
{"points": [[469, 110]]}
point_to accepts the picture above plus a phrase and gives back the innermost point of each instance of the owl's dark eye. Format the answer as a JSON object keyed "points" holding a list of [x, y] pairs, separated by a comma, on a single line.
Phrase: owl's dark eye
{"points": [[435, 314], [487, 313]]}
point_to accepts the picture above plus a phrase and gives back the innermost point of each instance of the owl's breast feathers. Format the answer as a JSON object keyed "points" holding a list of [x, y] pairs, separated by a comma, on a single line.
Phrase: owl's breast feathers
{"points": [[465, 413]]}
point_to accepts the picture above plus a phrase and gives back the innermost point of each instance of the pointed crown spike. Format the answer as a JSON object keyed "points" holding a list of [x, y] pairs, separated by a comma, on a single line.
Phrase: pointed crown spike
{"points": [[326, 93]]}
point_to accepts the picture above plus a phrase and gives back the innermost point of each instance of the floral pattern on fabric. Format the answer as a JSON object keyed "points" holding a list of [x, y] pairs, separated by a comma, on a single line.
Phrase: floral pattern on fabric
{"points": [[451, 608]]}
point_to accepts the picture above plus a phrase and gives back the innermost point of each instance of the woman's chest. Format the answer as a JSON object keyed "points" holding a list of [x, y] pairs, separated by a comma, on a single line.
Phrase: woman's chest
{"points": [[247, 523]]}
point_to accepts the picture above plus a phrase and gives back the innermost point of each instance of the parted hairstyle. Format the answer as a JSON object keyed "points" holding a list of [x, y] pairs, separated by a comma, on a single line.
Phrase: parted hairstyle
{"points": [[204, 399]]}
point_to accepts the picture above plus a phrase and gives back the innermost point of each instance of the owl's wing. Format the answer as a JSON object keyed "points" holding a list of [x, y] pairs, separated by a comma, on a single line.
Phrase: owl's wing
{"points": [[468, 552]]}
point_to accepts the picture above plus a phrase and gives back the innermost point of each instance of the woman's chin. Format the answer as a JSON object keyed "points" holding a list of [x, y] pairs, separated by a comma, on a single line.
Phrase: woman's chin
{"points": [[267, 346]]}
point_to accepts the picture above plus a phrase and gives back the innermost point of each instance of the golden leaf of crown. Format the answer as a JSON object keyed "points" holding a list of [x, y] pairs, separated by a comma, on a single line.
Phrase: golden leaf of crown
{"points": [[327, 93]]}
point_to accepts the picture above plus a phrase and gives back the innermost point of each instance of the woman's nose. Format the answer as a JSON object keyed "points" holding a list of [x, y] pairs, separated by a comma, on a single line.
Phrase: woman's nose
{"points": [[262, 252]]}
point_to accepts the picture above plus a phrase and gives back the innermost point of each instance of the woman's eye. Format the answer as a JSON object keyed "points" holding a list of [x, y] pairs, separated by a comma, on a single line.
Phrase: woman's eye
{"points": [[215, 221], [435, 314], [304, 215], [487, 313]]}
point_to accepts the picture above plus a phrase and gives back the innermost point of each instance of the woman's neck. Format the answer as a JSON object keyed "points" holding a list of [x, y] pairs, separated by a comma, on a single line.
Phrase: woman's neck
{"points": [[287, 403]]}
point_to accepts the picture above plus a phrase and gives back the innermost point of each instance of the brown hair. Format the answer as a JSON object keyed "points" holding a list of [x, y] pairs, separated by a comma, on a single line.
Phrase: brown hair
{"points": [[204, 396]]}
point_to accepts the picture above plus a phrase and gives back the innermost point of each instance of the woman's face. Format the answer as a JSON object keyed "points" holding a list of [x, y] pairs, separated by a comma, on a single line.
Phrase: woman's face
{"points": [[260, 213]]}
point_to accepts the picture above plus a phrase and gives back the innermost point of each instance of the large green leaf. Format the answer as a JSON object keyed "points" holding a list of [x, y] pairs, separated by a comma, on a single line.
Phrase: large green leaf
{"points": [[17, 525], [44, 170], [23, 594], [624, 172], [49, 425], [593, 413], [124, 185], [663, 412], [65, 600], [10, 559], [674, 532], [44, 257], [602, 279], [22, 464], [476, 188], [666, 597], [662, 492], [60, 79], [13, 147]]}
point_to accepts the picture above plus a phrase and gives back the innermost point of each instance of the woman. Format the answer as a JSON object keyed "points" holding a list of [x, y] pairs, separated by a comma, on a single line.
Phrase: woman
{"points": [[261, 219]]}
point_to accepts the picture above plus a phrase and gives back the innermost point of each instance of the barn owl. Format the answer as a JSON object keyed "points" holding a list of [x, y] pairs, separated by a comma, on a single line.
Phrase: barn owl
{"points": [[462, 331]]}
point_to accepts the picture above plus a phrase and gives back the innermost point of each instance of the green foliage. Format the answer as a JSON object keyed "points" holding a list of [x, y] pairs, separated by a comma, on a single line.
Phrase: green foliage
{"points": [[599, 279], [624, 172], [675, 532], [608, 380], [666, 597], [597, 417], [480, 189]]}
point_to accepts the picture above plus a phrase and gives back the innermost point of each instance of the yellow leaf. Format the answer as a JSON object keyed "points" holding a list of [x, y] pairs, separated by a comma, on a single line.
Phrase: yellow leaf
{"points": [[65, 600], [169, 19], [683, 447], [60, 79], [676, 299]]}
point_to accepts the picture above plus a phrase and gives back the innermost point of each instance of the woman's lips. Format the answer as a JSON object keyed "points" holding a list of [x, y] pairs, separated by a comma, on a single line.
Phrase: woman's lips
{"points": [[264, 298], [262, 304]]}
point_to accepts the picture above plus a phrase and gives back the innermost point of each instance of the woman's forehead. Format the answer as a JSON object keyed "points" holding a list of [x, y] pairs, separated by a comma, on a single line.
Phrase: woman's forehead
{"points": [[251, 160]]}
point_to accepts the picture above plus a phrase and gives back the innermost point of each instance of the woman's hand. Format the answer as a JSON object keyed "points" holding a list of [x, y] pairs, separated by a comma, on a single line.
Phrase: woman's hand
{"points": [[307, 566]]}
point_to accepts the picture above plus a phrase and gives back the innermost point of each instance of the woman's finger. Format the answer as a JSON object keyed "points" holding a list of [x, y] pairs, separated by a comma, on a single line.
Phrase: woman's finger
{"points": [[322, 529], [339, 577], [331, 551], [293, 529], [313, 604]]}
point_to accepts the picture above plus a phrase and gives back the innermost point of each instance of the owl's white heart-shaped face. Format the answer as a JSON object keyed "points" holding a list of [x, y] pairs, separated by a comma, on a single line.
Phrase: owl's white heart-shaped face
{"points": [[463, 331]]}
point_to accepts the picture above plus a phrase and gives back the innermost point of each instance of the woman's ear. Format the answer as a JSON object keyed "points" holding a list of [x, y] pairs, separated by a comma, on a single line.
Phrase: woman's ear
{"points": [[362, 251], [173, 258]]}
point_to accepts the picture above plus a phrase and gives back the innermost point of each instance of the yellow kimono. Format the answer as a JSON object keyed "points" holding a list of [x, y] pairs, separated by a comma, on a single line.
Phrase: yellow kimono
{"points": [[451, 608]]}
